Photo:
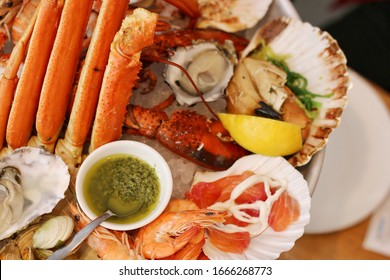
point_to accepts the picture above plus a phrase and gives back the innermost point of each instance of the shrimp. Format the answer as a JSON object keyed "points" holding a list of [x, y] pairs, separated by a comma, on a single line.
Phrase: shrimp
{"points": [[171, 231], [103, 241], [193, 249]]}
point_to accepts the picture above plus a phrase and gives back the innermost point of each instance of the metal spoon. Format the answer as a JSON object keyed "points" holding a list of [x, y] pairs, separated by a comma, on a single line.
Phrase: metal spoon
{"points": [[116, 207]]}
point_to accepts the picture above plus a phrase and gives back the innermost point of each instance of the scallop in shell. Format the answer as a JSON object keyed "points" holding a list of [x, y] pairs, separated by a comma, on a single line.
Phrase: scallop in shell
{"points": [[316, 57], [269, 243], [210, 66], [32, 183], [231, 15]]}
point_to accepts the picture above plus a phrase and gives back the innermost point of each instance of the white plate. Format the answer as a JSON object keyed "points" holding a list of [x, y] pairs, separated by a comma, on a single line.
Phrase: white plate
{"points": [[355, 176]]}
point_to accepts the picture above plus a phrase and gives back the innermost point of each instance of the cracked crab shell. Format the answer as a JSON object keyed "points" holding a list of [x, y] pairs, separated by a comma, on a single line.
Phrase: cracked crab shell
{"points": [[44, 178], [316, 55], [231, 15]]}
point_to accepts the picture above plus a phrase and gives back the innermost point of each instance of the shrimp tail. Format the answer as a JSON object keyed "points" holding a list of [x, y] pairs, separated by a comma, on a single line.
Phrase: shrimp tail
{"points": [[177, 244]]}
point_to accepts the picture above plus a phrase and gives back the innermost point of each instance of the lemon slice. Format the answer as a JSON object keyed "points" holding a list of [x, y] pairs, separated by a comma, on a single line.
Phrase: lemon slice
{"points": [[262, 135]]}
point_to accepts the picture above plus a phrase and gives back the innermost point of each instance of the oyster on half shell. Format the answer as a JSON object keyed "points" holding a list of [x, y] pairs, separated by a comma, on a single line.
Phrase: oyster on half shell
{"points": [[32, 183], [312, 55], [210, 66]]}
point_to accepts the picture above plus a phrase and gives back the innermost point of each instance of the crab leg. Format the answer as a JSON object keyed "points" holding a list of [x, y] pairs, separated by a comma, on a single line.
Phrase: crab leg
{"points": [[87, 94], [136, 32], [60, 72], [9, 79], [30, 83]]}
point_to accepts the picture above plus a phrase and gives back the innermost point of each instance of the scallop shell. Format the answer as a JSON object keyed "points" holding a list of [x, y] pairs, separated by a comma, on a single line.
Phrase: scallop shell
{"points": [[44, 179], [231, 15], [316, 55], [270, 244]]}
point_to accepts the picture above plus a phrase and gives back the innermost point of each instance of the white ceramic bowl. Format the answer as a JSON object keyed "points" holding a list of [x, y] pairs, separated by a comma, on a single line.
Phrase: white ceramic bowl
{"points": [[137, 149]]}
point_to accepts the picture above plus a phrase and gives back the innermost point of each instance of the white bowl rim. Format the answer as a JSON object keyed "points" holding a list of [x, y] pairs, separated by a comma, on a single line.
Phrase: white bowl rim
{"points": [[137, 149]]}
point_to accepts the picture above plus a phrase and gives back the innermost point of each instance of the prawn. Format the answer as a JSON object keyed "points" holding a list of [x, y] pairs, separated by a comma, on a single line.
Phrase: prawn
{"points": [[171, 231], [194, 247], [103, 241]]}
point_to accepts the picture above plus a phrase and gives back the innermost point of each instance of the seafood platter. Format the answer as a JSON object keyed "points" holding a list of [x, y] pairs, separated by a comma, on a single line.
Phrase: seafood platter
{"points": [[236, 96]]}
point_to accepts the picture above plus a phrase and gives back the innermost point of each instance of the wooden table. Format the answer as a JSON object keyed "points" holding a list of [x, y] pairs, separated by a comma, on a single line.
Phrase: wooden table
{"points": [[341, 245]]}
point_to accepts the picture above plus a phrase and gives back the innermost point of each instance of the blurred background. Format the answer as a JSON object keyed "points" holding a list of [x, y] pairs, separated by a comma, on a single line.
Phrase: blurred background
{"points": [[351, 219], [362, 28]]}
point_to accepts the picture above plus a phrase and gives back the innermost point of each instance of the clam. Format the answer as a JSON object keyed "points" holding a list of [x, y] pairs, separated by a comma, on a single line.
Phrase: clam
{"points": [[210, 66], [231, 15], [316, 73], [53, 233], [33, 182]]}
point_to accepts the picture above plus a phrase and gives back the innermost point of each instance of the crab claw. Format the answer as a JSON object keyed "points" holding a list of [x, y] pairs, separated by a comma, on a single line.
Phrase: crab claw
{"points": [[199, 139], [186, 133]]}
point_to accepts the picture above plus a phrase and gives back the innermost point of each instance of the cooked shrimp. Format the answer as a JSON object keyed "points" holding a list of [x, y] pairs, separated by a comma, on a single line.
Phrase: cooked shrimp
{"points": [[103, 241], [193, 249], [171, 231]]}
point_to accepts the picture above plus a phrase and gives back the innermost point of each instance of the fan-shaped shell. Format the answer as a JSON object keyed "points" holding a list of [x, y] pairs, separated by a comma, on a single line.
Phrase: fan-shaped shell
{"points": [[44, 178], [269, 244], [316, 55], [231, 15]]}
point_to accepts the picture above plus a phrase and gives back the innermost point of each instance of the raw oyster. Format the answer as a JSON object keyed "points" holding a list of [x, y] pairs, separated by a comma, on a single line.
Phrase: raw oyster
{"points": [[210, 66], [41, 179], [320, 65], [11, 195], [231, 15]]}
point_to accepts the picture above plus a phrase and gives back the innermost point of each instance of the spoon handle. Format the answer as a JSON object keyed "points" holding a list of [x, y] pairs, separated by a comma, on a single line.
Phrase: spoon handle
{"points": [[62, 253]]}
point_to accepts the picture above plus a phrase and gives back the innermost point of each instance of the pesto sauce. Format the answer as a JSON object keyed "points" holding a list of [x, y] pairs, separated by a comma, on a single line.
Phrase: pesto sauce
{"points": [[124, 177]]}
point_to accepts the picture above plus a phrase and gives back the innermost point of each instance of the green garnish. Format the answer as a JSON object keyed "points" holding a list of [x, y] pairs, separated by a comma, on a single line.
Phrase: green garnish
{"points": [[295, 81]]}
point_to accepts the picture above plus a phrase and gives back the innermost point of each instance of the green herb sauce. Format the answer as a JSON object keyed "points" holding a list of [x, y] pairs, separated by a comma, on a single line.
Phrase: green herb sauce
{"points": [[295, 81], [125, 178]]}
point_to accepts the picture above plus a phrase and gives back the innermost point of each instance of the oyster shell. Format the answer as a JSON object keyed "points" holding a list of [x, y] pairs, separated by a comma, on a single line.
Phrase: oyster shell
{"points": [[315, 55], [42, 179], [231, 15], [210, 66], [11, 194]]}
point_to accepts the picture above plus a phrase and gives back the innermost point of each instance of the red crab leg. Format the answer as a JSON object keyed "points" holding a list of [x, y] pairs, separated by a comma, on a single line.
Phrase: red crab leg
{"points": [[9, 78], [124, 63], [88, 88], [60, 73], [30, 83]]}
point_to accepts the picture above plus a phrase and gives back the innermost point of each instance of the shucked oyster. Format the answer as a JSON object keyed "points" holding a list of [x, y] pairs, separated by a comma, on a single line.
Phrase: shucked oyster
{"points": [[210, 66], [314, 88], [32, 183], [11, 195]]}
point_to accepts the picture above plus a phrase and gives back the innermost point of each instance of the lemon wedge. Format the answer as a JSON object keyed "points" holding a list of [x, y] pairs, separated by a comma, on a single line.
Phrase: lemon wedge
{"points": [[262, 135]]}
